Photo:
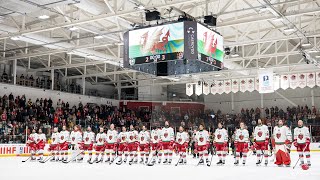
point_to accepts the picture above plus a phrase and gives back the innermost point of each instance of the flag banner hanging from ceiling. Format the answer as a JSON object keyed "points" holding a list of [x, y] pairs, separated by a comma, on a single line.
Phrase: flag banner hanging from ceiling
{"points": [[198, 90], [266, 81], [220, 87], [284, 82], [293, 80], [214, 88], [243, 85], [250, 84], [318, 79], [206, 88], [311, 80], [235, 85], [189, 89], [227, 86], [276, 82], [302, 81], [256, 85]]}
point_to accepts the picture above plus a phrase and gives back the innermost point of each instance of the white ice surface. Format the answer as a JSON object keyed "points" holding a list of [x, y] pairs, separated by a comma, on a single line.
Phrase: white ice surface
{"points": [[12, 168]]}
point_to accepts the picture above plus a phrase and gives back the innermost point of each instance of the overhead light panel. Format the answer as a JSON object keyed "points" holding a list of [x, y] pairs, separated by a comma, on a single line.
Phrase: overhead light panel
{"points": [[217, 75], [15, 38], [234, 55], [279, 19], [98, 37], [289, 30], [312, 51], [73, 28], [141, 7], [305, 44], [318, 56], [44, 17]]}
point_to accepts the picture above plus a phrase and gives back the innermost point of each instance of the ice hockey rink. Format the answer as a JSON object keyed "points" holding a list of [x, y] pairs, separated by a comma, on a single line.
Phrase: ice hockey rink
{"points": [[13, 168]]}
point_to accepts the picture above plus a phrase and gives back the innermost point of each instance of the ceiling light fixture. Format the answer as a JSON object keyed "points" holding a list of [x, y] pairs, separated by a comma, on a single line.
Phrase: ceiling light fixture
{"points": [[305, 44], [73, 28], [289, 30], [234, 55], [279, 19], [44, 17], [98, 37], [318, 56], [15, 38], [141, 7]]}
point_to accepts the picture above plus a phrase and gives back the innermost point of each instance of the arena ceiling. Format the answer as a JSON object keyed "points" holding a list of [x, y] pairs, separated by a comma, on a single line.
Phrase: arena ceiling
{"points": [[84, 38]]}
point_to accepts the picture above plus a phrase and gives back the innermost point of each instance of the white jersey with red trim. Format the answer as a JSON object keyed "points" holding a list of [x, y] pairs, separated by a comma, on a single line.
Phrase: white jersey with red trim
{"points": [[167, 134], [155, 136], [182, 137], [55, 138], [42, 137], [100, 139], [202, 137], [132, 136], [242, 135], [220, 135], [64, 136], [261, 133], [301, 135], [123, 137], [75, 137], [281, 134], [112, 136], [144, 137], [33, 138], [88, 137]]}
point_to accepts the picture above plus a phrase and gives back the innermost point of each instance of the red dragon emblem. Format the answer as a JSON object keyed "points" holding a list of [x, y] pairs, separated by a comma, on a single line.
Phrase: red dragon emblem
{"points": [[278, 135], [219, 136], [259, 133], [241, 137], [154, 43], [110, 137], [300, 136], [165, 135], [201, 139]]}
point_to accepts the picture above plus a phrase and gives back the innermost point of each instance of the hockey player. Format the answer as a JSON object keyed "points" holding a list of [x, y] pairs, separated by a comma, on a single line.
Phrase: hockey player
{"points": [[88, 140], [111, 144], [144, 139], [41, 142], [282, 138], [241, 143], [202, 144], [182, 141], [221, 143], [100, 145], [76, 143], [166, 143], [154, 145], [32, 143], [122, 147], [54, 146], [133, 145], [261, 141], [63, 143], [302, 142]]}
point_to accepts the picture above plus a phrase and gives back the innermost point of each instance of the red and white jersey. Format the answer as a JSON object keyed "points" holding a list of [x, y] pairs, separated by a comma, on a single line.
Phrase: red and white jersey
{"points": [[75, 137], [281, 134], [64, 136], [123, 137], [33, 138], [112, 136], [155, 136], [202, 137], [100, 139], [301, 135], [42, 137], [144, 137], [220, 135], [182, 137], [88, 137], [167, 134], [55, 138], [261, 133], [132, 136], [242, 135]]}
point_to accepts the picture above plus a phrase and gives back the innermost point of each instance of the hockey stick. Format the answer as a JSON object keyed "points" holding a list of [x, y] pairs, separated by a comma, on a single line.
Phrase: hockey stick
{"points": [[178, 160], [66, 162], [48, 158], [29, 157], [200, 160], [299, 157]]}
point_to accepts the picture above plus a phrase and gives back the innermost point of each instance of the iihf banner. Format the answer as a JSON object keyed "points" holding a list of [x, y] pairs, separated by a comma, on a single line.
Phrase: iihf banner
{"points": [[266, 81], [250, 84], [189, 89], [243, 85], [227, 86], [214, 88], [198, 90], [206, 88], [302, 82], [284, 82], [311, 80], [256, 85], [220, 87], [293, 80], [276, 82], [318, 79], [235, 85]]}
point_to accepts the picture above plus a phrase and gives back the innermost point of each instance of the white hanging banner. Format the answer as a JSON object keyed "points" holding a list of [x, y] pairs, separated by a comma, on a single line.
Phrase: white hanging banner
{"points": [[318, 79], [250, 84], [276, 82], [293, 80], [284, 82], [302, 81], [243, 85], [198, 90], [214, 88], [256, 85], [266, 81], [227, 86], [235, 85], [311, 79], [220, 87], [189, 89], [206, 88]]}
